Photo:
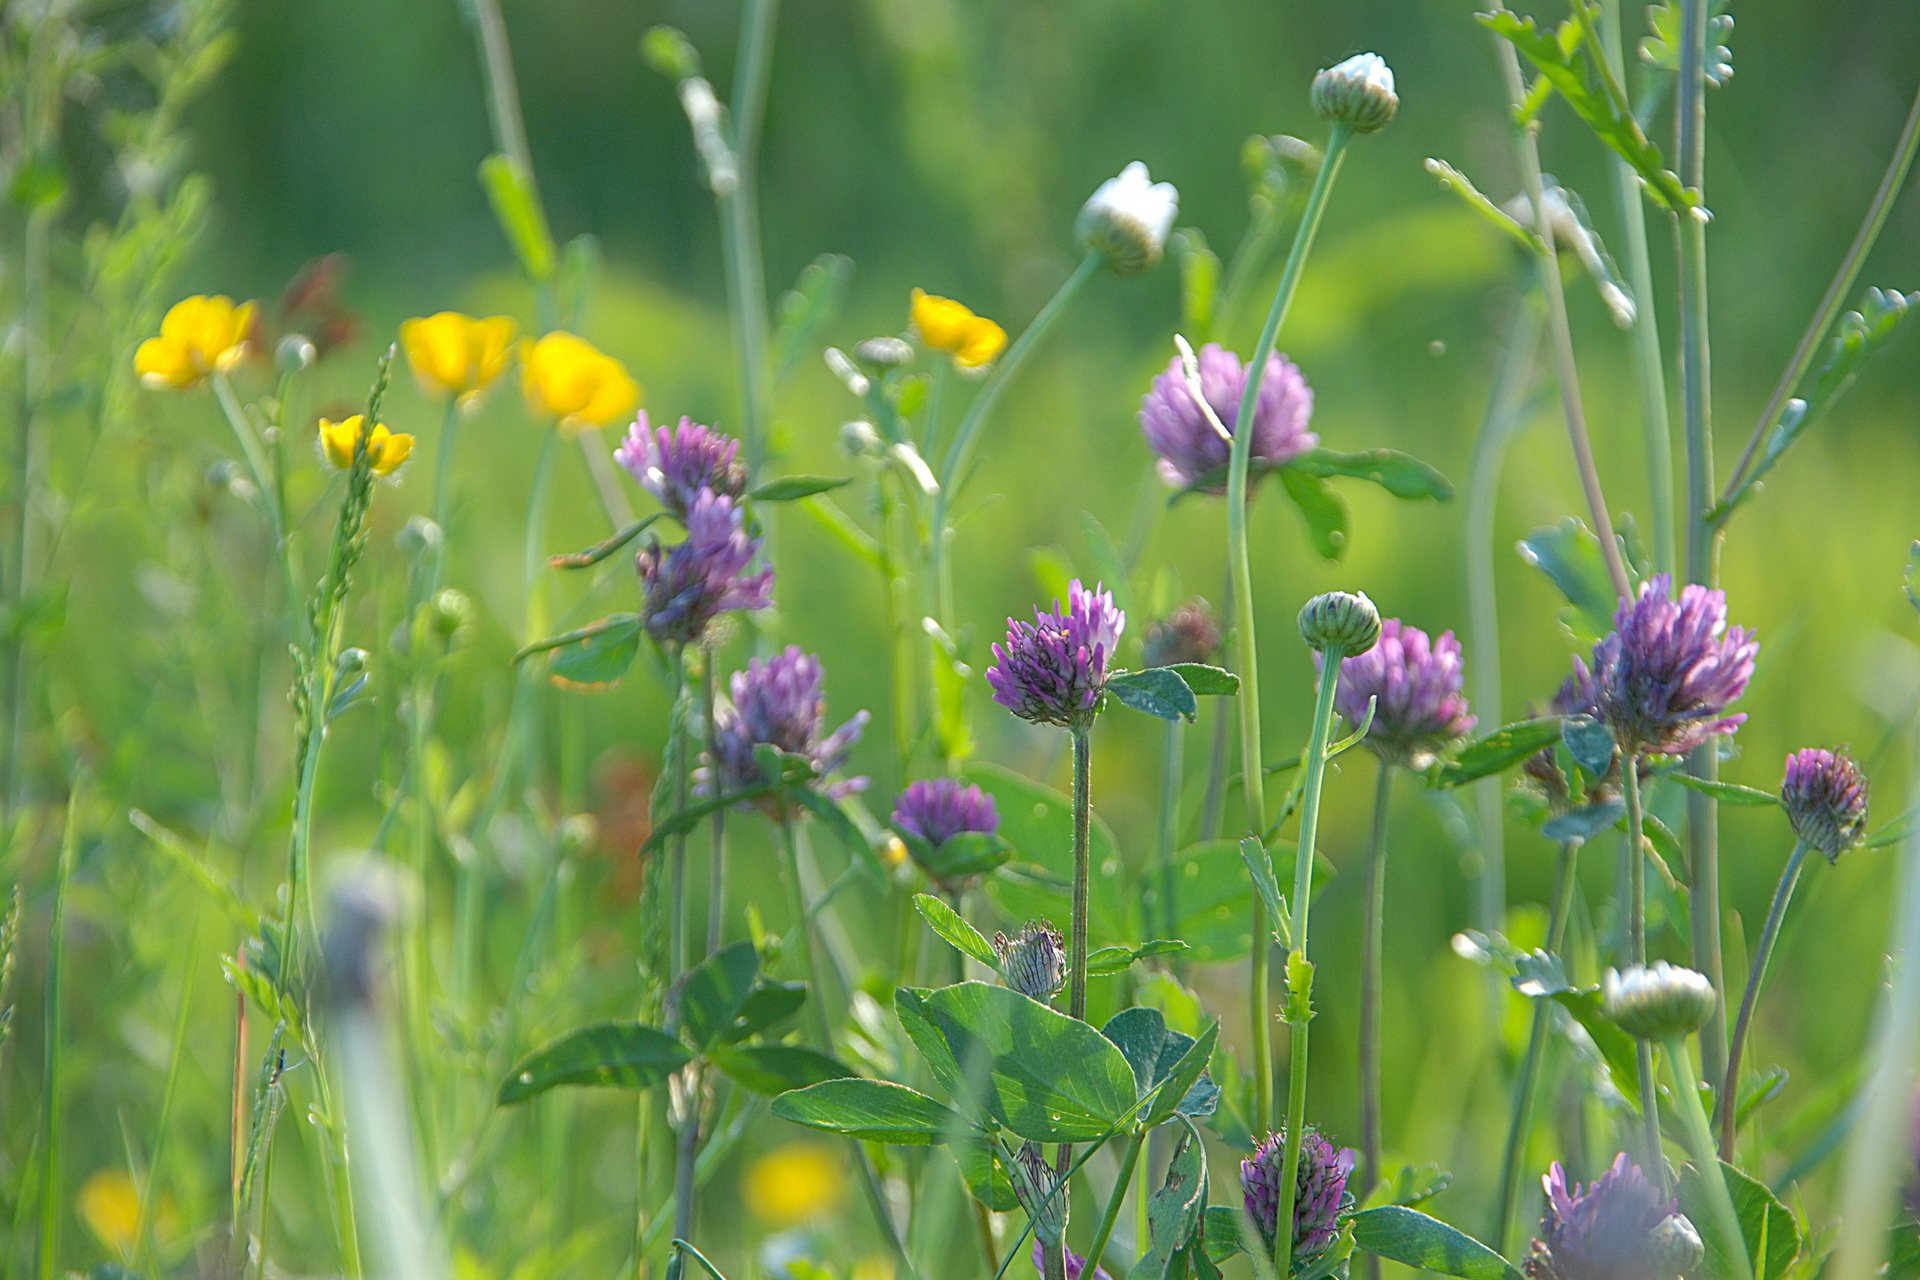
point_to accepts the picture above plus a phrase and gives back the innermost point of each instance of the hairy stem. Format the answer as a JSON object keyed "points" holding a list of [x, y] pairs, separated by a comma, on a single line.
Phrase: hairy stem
{"points": [[1240, 564], [1728, 1104]]}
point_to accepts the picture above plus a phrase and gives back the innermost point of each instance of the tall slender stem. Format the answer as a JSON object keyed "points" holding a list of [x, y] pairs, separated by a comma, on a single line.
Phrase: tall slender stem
{"points": [[1837, 290], [1298, 1009], [717, 854], [1728, 1103], [740, 227], [1699, 1140], [443, 479], [1696, 397], [1171, 767], [1637, 951], [1240, 564], [1373, 935], [1077, 942], [50, 1199], [1520, 1123], [1122, 1179], [1560, 330]]}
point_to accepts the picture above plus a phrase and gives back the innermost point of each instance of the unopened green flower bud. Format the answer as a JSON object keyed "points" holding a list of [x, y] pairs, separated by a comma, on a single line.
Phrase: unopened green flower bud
{"points": [[1658, 1001], [419, 537], [295, 352], [878, 354], [1127, 220], [1357, 93], [1342, 620], [351, 662], [452, 612], [859, 438], [1033, 961], [1676, 1246]]}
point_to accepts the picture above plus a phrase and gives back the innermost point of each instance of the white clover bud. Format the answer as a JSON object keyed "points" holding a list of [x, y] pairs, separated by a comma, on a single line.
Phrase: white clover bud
{"points": [[1676, 1245], [295, 352], [1127, 220], [1658, 1001], [1357, 93], [1343, 620]]}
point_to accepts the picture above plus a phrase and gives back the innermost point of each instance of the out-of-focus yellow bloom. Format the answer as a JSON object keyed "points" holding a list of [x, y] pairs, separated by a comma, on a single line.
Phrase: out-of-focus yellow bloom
{"points": [[199, 337], [874, 1268], [109, 1204], [570, 380], [945, 325], [386, 450], [894, 852], [794, 1183], [457, 355]]}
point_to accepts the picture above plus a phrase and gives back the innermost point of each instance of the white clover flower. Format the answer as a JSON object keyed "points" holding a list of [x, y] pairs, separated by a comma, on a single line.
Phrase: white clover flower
{"points": [[1654, 1002], [1357, 93], [1127, 220]]}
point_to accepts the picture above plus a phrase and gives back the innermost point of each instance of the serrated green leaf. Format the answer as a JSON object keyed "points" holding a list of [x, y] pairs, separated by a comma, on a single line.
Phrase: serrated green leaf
{"points": [[872, 1111], [949, 924], [624, 1055]]}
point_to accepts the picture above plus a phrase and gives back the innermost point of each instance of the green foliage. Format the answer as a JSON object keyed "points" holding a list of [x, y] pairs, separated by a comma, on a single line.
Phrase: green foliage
{"points": [[625, 1055], [1497, 751], [871, 1110], [1427, 1244]]}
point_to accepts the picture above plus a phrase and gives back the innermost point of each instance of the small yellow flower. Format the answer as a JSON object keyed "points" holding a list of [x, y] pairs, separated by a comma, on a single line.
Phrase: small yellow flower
{"points": [[386, 450], [794, 1183], [199, 337], [945, 325], [109, 1204], [570, 380], [457, 355]]}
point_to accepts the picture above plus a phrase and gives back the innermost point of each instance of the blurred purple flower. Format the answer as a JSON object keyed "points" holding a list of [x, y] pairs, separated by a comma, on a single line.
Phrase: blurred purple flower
{"points": [[1415, 683], [780, 702], [1053, 670], [1662, 680], [1609, 1230], [1076, 1265], [1320, 1190], [690, 584], [675, 463], [1190, 448], [938, 809], [1825, 795], [1188, 634]]}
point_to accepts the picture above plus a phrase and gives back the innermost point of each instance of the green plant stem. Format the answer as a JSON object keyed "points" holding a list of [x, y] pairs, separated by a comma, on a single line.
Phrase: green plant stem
{"points": [[1703, 544], [50, 1199], [686, 1126], [1240, 563], [1728, 1103], [717, 853], [953, 469], [1835, 297], [150, 1193], [1559, 328], [1298, 1012], [1372, 938], [1699, 1139], [1122, 1179], [1520, 1122], [264, 476], [1637, 953], [443, 482], [1649, 370], [740, 227], [1172, 764], [1082, 870]]}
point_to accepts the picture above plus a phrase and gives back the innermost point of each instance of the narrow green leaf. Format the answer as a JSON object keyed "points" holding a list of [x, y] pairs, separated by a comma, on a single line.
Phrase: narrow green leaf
{"points": [[1499, 750], [1176, 1213], [1260, 868], [1425, 1243], [794, 488], [1400, 474], [625, 1055], [1199, 283], [872, 1111], [1726, 792], [949, 924], [713, 992], [590, 556], [516, 206], [1458, 183], [597, 660], [773, 1069]]}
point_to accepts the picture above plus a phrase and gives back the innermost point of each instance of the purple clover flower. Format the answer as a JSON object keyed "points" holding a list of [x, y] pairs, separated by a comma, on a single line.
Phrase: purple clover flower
{"points": [[1825, 795], [1188, 446], [1415, 683], [1053, 670], [1662, 680], [675, 464], [1320, 1190], [1188, 634], [938, 809], [689, 585], [1612, 1229], [1076, 1265], [781, 702]]}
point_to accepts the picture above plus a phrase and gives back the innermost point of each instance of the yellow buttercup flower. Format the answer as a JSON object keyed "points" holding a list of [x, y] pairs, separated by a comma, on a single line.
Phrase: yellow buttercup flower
{"points": [[945, 325], [792, 1184], [457, 355], [570, 380], [386, 450], [199, 337], [109, 1204]]}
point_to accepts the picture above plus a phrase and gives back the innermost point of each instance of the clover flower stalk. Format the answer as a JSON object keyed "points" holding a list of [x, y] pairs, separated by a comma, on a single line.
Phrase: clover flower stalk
{"points": [[1825, 796], [1188, 634], [1334, 625], [1406, 693]]}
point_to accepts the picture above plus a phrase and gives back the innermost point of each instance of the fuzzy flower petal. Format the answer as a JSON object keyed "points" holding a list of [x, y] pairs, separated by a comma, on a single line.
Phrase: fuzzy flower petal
{"points": [[1053, 670], [1825, 795], [199, 337], [688, 586], [1320, 1190], [1663, 679], [386, 450], [1611, 1229], [1191, 451], [570, 380], [973, 341], [457, 355], [780, 701], [1415, 682], [675, 464]]}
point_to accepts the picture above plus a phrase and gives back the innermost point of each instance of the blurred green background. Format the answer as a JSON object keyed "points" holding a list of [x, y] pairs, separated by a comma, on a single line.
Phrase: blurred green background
{"points": [[948, 145]]}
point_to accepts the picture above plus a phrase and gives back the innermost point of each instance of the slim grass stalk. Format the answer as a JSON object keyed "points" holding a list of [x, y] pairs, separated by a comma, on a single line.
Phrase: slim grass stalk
{"points": [[717, 853], [1122, 1179], [1728, 1104], [1636, 911], [1172, 765], [1699, 1139], [1077, 940], [169, 1094], [1372, 937], [1240, 564], [50, 1199]]}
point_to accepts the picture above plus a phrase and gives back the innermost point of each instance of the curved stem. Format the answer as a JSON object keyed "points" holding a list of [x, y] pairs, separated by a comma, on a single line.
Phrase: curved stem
{"points": [[1699, 1138], [1521, 1121], [1728, 1104], [1298, 1006], [1373, 934], [1637, 954], [1240, 563], [1122, 1179]]}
